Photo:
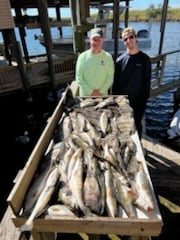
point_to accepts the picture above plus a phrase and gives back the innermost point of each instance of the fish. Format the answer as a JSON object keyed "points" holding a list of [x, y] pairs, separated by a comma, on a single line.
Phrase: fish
{"points": [[59, 136], [87, 139], [37, 185], [111, 203], [67, 127], [91, 188], [81, 122], [101, 181], [120, 100], [64, 193], [124, 194], [89, 102], [132, 168], [76, 155], [124, 106], [59, 210], [77, 139], [67, 157], [76, 184], [43, 199], [109, 157], [129, 151], [57, 152], [112, 141], [106, 102], [141, 185], [126, 124], [90, 114], [114, 126], [78, 121], [70, 144], [87, 156], [104, 122], [91, 130], [126, 155]]}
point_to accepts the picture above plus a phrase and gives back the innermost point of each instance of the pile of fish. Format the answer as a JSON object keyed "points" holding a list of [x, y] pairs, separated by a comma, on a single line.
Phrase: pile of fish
{"points": [[92, 166]]}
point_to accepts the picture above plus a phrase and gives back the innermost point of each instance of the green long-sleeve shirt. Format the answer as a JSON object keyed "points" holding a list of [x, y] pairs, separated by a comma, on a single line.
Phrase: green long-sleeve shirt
{"points": [[94, 72]]}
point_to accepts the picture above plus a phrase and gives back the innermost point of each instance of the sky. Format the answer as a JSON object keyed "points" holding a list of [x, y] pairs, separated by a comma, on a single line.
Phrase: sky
{"points": [[143, 4]]}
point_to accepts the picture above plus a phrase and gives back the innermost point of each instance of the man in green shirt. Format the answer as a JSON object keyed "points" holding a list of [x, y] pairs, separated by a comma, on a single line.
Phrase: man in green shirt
{"points": [[95, 67]]}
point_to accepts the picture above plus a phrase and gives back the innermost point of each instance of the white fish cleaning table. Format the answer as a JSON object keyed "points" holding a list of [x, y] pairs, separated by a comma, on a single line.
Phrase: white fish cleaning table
{"points": [[142, 227]]}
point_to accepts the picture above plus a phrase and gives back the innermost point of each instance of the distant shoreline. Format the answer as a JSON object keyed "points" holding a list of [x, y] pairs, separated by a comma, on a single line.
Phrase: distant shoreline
{"points": [[141, 15], [173, 15], [168, 20]]}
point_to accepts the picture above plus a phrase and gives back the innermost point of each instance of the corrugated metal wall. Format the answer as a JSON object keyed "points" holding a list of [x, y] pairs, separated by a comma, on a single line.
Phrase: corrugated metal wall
{"points": [[6, 19]]}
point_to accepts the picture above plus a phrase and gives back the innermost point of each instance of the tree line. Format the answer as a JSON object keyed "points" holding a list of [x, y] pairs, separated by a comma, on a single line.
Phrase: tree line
{"points": [[154, 13]]}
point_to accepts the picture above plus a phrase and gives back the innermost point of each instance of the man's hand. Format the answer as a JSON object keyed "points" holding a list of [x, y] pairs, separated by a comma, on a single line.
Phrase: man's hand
{"points": [[96, 92]]}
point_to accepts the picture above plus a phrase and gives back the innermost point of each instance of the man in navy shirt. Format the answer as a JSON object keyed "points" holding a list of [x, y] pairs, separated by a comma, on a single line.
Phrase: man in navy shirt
{"points": [[132, 76]]}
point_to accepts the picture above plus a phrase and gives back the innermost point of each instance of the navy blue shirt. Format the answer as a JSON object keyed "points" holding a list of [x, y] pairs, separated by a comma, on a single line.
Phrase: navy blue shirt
{"points": [[132, 77]]}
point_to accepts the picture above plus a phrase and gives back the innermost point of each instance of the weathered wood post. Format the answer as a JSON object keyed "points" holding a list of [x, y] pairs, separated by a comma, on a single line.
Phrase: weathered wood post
{"points": [[78, 34], [116, 27], [22, 33], [126, 13], [13, 48], [163, 24], [44, 21], [21, 67]]}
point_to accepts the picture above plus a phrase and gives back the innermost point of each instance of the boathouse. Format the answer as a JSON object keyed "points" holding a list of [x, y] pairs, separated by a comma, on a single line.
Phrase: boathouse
{"points": [[23, 72], [56, 71]]}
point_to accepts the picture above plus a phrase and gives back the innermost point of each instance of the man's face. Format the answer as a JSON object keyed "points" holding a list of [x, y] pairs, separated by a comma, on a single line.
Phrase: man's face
{"points": [[96, 43], [129, 40]]}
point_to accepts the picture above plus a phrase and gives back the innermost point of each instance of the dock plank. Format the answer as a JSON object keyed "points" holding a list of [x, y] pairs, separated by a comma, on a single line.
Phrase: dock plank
{"points": [[7, 228], [164, 168]]}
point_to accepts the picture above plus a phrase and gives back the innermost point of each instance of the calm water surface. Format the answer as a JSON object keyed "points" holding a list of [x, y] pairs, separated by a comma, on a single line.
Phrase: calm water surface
{"points": [[161, 108]]}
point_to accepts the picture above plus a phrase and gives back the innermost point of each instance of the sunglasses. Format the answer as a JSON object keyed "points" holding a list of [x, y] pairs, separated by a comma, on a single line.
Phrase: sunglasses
{"points": [[130, 37]]}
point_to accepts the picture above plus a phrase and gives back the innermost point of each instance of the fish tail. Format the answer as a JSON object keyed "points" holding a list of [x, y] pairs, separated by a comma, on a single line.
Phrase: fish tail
{"points": [[27, 226]]}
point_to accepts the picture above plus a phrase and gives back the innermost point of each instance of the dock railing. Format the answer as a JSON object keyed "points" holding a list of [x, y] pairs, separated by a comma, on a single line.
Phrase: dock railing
{"points": [[38, 73], [161, 67]]}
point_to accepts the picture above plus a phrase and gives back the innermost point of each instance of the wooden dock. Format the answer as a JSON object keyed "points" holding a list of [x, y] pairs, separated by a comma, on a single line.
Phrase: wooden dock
{"points": [[164, 168]]}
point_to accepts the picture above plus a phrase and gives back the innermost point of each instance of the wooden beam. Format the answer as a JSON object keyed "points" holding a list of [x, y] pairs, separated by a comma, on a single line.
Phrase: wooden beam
{"points": [[42, 8], [116, 27], [165, 87], [22, 33], [78, 36]]}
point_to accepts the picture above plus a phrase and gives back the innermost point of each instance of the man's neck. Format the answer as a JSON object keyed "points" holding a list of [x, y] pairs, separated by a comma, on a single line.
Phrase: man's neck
{"points": [[95, 51], [132, 51]]}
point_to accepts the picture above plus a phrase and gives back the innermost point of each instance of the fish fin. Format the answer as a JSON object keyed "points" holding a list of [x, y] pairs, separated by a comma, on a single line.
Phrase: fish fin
{"points": [[27, 226], [144, 205]]}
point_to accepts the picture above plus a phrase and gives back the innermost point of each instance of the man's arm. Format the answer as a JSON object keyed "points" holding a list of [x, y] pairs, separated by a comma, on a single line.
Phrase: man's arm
{"points": [[82, 83], [109, 78]]}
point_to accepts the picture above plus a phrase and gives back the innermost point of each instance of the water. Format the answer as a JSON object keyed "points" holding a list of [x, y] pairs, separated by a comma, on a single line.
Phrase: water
{"points": [[160, 109]]}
